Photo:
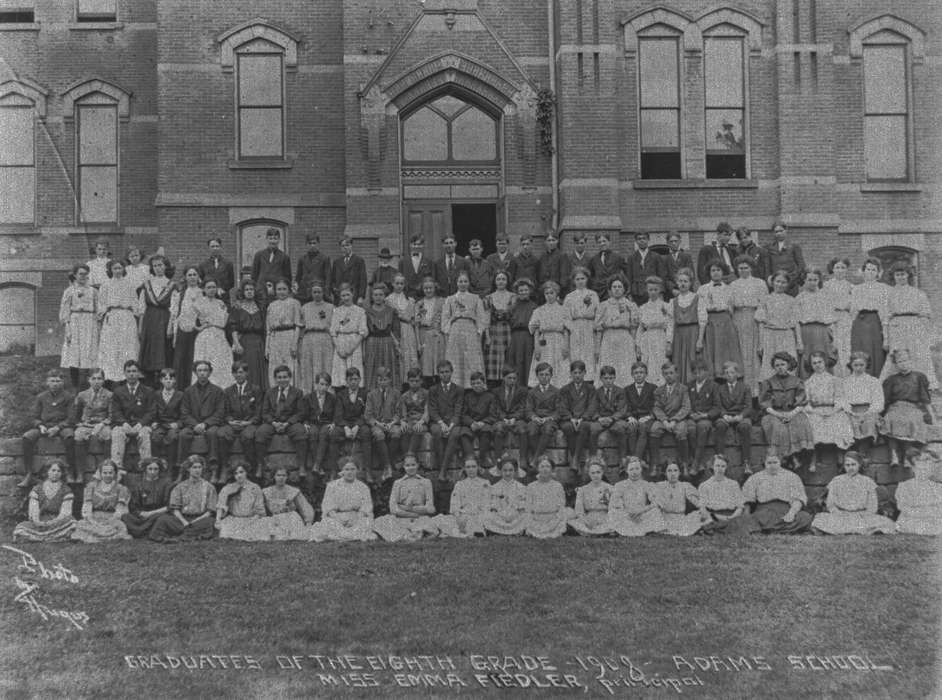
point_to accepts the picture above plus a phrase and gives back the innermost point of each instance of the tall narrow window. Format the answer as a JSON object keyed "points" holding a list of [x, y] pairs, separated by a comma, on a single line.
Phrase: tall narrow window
{"points": [[725, 107], [886, 112], [17, 160], [97, 10], [260, 101], [659, 99], [97, 125]]}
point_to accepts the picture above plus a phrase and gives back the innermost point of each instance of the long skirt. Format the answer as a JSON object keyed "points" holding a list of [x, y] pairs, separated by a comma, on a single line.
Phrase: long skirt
{"points": [[463, 350], [81, 350], [775, 340], [737, 526], [380, 351], [815, 337], [156, 351], [652, 344], [683, 351], [744, 318], [682, 525], [245, 529], [495, 355], [280, 345], [431, 350], [922, 522], [834, 429], [168, 528], [593, 522], [393, 529], [720, 342], [853, 524], [617, 350], [511, 522], [339, 365], [905, 421], [520, 353], [767, 518], [183, 357], [118, 343], [544, 526], [408, 352], [789, 438], [138, 526], [911, 333], [286, 526], [625, 525], [842, 343], [253, 354], [866, 334], [316, 356], [211, 346], [463, 526], [100, 527], [356, 529], [552, 353], [865, 423], [57, 530], [582, 346]]}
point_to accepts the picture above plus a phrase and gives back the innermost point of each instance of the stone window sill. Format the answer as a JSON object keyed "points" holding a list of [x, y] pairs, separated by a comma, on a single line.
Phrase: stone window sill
{"points": [[730, 184], [89, 26], [262, 164], [19, 27], [891, 187]]}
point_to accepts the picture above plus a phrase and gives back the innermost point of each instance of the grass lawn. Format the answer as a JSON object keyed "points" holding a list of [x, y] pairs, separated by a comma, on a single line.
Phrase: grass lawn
{"points": [[642, 603]]}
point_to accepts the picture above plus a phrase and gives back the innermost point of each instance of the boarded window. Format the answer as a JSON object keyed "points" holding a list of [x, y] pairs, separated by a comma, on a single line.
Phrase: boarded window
{"points": [[17, 319], [17, 161], [886, 112], [98, 161], [261, 105], [97, 10]]}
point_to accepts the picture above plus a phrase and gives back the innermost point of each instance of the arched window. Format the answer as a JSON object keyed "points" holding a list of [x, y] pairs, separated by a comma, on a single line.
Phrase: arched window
{"points": [[659, 101], [17, 159], [887, 255], [451, 130], [17, 319]]}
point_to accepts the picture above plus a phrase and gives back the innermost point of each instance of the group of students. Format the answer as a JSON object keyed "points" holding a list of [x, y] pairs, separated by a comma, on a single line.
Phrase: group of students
{"points": [[771, 501]]}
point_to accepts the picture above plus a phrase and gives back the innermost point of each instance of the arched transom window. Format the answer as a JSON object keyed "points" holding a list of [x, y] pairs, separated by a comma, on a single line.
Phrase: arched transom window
{"points": [[448, 129]]}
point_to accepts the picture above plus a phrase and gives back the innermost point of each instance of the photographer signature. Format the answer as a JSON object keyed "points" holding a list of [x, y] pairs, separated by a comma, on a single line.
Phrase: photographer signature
{"points": [[27, 590]]}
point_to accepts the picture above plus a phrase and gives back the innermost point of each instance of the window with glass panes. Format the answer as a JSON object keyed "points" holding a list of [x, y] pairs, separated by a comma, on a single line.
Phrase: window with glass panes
{"points": [[260, 101], [886, 109], [725, 106], [660, 106]]}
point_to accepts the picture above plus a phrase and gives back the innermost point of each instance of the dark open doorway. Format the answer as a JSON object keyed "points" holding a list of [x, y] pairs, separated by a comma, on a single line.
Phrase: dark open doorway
{"points": [[470, 221]]}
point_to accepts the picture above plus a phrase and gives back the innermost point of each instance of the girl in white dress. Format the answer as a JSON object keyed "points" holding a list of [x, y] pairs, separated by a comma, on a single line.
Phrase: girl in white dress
{"points": [[289, 513], [118, 310], [909, 327], [347, 509], [852, 504], [655, 329], [827, 411], [582, 304], [920, 500], [590, 516], [838, 289], [549, 325], [615, 322], [282, 322], [405, 309], [507, 514], [746, 294], [547, 513], [464, 321], [137, 271], [633, 511], [347, 329], [211, 344], [470, 501], [863, 395], [77, 316], [673, 496]]}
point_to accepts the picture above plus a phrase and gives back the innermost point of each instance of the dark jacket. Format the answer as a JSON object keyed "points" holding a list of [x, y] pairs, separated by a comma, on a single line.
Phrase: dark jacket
{"points": [[141, 408], [479, 408], [350, 413], [353, 272], [639, 406], [292, 410], [414, 277], [448, 279], [167, 412], [318, 413], [205, 404], [515, 408], [705, 400], [447, 406], [573, 403], [246, 407]]}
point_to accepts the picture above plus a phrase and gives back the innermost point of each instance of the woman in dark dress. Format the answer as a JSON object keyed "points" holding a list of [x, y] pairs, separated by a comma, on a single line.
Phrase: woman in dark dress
{"points": [[520, 349], [149, 498], [906, 398], [156, 332], [782, 399], [381, 347], [191, 513], [183, 320], [247, 324]]}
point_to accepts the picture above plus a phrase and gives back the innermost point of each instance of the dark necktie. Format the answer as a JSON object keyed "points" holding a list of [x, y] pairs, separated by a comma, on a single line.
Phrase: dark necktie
{"points": [[281, 397]]}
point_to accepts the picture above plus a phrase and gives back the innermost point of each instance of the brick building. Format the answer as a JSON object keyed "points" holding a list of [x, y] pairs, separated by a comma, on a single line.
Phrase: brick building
{"points": [[163, 122]]}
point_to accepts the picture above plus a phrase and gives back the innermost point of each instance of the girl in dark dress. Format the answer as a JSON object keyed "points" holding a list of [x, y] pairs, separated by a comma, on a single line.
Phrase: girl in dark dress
{"points": [[247, 324], [156, 332], [183, 320], [381, 347], [520, 350], [906, 398], [149, 499]]}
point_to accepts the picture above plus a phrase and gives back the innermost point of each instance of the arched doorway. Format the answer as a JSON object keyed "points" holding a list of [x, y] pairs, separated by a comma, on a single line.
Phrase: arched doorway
{"points": [[451, 174], [888, 255]]}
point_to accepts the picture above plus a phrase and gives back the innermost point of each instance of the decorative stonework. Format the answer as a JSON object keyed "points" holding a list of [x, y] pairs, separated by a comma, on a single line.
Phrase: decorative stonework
{"points": [[26, 89], [915, 36], [252, 30], [89, 87]]}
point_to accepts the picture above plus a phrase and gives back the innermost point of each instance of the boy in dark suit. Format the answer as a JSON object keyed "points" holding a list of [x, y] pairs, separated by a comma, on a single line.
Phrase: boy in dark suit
{"points": [[383, 420], [511, 406], [313, 265], [283, 413], [445, 408], [413, 413], [350, 423], [242, 416], [271, 264], [480, 272], [416, 267], [639, 409], [676, 259], [525, 261], [704, 409], [578, 257], [610, 413], [542, 412], [203, 410], [321, 409], [735, 399], [49, 418], [477, 420], [218, 269], [447, 269], [641, 264], [349, 268], [719, 251], [132, 414], [671, 408], [502, 260], [168, 420], [606, 265], [577, 407], [553, 265], [385, 272]]}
